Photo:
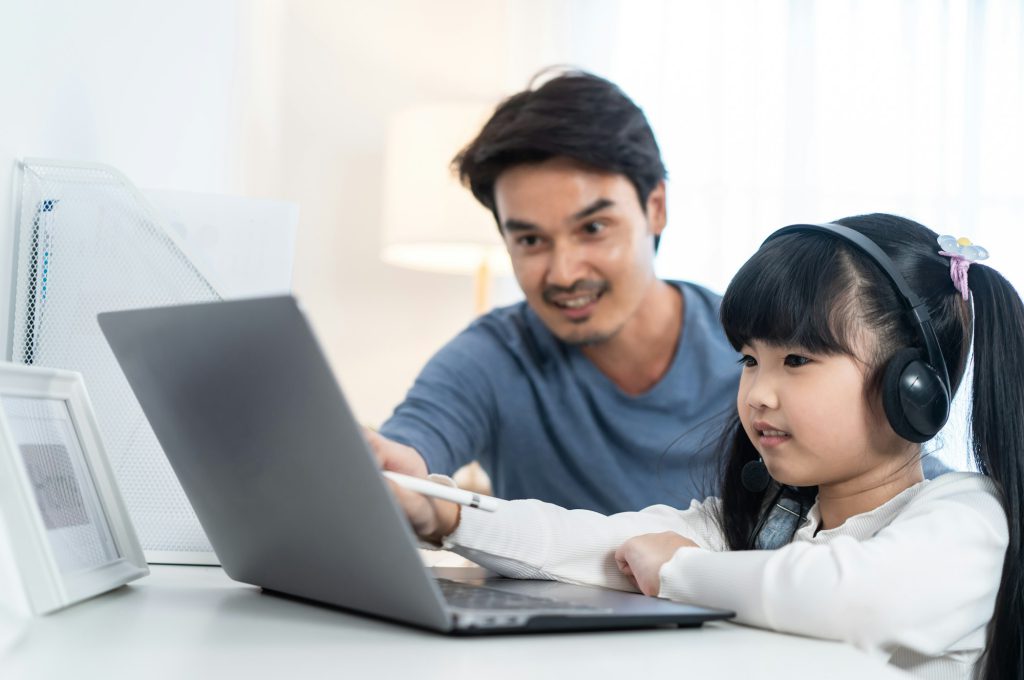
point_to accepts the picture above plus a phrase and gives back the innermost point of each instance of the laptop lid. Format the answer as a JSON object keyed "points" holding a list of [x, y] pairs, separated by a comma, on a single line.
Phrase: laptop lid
{"points": [[244, 404], [253, 423]]}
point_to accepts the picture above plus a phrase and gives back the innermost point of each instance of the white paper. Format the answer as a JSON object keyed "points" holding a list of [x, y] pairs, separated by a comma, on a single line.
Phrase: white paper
{"points": [[245, 246]]}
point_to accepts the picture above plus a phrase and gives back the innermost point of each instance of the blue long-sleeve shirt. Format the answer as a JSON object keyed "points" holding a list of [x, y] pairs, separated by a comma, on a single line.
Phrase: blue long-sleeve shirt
{"points": [[545, 423]]}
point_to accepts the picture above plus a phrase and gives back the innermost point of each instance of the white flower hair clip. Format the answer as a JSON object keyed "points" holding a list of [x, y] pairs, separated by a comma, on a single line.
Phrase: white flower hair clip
{"points": [[961, 253]]}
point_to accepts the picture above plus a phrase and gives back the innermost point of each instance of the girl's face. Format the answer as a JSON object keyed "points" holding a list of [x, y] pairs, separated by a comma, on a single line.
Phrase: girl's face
{"points": [[808, 417]]}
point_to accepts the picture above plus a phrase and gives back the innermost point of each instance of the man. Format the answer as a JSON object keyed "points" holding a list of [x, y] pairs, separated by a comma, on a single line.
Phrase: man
{"points": [[603, 389]]}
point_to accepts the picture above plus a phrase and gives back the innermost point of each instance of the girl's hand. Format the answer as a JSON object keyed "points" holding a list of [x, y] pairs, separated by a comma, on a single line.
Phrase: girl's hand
{"points": [[642, 557]]}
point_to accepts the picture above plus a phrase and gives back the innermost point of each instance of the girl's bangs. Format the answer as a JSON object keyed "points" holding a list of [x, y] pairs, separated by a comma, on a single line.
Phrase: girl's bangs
{"points": [[794, 291]]}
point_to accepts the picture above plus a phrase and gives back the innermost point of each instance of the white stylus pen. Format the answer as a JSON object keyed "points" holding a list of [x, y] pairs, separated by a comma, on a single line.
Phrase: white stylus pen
{"points": [[447, 493]]}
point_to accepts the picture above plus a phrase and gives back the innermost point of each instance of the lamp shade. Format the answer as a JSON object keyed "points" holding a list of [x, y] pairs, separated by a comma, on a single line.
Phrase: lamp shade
{"points": [[431, 222]]}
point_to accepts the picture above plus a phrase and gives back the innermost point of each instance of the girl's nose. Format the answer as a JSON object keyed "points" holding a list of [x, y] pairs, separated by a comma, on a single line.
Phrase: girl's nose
{"points": [[761, 394]]}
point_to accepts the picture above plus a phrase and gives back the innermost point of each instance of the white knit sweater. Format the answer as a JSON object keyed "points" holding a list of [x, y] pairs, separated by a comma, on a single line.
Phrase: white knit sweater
{"points": [[914, 580]]}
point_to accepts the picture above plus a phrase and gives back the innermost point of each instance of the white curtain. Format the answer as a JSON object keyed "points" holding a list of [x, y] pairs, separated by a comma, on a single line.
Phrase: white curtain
{"points": [[771, 112]]}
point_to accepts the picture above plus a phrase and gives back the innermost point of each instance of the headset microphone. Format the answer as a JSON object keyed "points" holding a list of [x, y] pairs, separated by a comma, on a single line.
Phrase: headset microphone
{"points": [[754, 476]]}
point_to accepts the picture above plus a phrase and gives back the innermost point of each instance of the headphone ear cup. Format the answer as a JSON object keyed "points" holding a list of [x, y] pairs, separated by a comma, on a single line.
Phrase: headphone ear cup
{"points": [[914, 397]]}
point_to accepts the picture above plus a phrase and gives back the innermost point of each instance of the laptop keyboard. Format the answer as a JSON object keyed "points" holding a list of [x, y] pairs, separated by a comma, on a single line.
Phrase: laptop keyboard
{"points": [[466, 596]]}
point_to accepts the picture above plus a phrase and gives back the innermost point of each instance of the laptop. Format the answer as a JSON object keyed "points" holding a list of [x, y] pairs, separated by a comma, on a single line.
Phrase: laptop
{"points": [[256, 428]]}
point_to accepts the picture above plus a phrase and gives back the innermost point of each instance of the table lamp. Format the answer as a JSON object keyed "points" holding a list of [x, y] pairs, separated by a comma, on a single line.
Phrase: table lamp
{"points": [[432, 223]]}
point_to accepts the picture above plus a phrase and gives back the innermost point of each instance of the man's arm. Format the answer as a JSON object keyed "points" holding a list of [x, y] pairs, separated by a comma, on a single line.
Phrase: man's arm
{"points": [[448, 415]]}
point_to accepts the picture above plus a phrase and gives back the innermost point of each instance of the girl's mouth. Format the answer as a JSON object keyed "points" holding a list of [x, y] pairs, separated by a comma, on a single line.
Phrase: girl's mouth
{"points": [[771, 436]]}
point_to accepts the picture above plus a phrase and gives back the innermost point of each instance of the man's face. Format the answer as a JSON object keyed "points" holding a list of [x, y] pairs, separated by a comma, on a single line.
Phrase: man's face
{"points": [[581, 245]]}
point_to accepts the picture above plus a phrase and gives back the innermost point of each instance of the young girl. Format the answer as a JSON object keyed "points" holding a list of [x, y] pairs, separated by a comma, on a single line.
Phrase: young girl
{"points": [[843, 377]]}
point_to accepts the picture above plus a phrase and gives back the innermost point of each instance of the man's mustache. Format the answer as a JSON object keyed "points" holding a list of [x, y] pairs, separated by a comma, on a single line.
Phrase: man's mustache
{"points": [[552, 292]]}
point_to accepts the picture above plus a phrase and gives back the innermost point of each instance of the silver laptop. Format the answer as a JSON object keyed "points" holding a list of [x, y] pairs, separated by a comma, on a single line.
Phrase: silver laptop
{"points": [[266, 448]]}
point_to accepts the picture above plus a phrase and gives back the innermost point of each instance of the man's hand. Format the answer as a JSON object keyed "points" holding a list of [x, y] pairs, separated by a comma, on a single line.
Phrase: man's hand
{"points": [[431, 518], [394, 456], [642, 557]]}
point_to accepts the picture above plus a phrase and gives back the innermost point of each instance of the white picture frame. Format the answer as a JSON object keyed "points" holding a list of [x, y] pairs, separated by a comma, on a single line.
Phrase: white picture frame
{"points": [[64, 531]]}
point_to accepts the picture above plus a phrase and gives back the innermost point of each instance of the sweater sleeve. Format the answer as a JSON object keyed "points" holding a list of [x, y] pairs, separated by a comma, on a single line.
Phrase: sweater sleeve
{"points": [[925, 581], [532, 539]]}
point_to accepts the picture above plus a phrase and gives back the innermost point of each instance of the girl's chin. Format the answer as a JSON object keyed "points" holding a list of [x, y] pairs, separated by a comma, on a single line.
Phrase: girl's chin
{"points": [[795, 481], [787, 477]]}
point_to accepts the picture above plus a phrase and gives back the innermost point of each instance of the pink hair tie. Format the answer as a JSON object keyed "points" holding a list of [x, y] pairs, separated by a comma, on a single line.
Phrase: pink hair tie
{"points": [[961, 253]]}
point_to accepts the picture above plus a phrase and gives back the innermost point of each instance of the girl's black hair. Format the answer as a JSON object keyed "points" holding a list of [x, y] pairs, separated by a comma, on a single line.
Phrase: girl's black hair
{"points": [[812, 290]]}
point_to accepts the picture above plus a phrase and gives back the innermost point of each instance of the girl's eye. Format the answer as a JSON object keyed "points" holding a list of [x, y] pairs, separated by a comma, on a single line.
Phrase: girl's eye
{"points": [[795, 360], [747, 361]]}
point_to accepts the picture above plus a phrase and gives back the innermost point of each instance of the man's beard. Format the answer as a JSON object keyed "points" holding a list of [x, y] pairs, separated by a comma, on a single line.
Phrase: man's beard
{"points": [[599, 288], [589, 340]]}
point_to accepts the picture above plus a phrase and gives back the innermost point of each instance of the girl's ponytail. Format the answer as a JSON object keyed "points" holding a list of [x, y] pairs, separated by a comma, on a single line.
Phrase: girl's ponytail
{"points": [[997, 429]]}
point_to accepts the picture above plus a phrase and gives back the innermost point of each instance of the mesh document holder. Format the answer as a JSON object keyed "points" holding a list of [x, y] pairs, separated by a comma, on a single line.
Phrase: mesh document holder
{"points": [[87, 242]]}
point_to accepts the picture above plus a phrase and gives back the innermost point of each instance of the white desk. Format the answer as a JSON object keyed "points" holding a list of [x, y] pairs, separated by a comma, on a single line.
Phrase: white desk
{"points": [[194, 622]]}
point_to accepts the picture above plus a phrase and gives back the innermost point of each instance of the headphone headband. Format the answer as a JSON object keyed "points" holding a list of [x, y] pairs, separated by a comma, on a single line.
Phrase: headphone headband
{"points": [[919, 315]]}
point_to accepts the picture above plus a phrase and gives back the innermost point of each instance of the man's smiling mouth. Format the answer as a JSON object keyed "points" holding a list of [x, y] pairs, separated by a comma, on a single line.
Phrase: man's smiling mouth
{"points": [[577, 302], [579, 295]]}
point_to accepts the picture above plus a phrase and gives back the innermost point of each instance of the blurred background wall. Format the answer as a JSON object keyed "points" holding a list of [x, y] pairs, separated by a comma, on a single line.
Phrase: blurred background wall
{"points": [[768, 112]]}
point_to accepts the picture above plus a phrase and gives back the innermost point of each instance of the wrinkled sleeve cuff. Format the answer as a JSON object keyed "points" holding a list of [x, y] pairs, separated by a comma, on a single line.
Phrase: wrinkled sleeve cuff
{"points": [[723, 580]]}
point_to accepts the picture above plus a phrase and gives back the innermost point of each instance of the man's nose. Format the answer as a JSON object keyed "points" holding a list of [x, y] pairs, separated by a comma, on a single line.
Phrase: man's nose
{"points": [[567, 266]]}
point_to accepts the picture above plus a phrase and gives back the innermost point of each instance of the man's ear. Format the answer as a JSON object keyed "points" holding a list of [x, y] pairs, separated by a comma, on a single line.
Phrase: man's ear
{"points": [[656, 209]]}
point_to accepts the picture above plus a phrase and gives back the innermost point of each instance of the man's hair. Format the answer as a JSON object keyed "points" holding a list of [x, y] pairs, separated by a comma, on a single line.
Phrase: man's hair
{"points": [[575, 115]]}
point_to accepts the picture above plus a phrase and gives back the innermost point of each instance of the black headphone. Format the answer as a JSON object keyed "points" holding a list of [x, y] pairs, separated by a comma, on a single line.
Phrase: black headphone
{"points": [[915, 388]]}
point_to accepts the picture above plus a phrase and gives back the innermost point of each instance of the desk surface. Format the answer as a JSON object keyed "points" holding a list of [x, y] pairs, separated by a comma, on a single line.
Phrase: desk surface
{"points": [[193, 622]]}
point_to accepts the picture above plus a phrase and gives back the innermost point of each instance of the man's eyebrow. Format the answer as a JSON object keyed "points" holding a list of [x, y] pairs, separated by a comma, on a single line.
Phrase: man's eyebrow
{"points": [[596, 206], [522, 225], [518, 225]]}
